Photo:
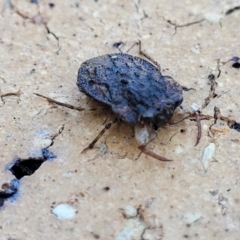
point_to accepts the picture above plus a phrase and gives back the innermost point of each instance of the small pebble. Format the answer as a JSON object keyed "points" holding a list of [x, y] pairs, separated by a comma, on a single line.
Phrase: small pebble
{"points": [[64, 211], [207, 156], [130, 211]]}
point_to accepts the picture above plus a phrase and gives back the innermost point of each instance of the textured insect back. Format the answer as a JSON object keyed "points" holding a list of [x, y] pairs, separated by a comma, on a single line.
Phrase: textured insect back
{"points": [[173, 90], [135, 90], [133, 87]]}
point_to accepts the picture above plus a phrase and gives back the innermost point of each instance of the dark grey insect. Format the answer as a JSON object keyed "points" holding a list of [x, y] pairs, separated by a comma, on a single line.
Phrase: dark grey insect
{"points": [[135, 90]]}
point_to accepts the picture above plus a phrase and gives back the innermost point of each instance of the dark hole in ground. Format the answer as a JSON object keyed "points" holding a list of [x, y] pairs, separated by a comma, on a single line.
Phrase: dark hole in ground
{"points": [[211, 77], [10, 192], [51, 5], [236, 65], [26, 167], [235, 126], [106, 189], [21, 168], [5, 195]]}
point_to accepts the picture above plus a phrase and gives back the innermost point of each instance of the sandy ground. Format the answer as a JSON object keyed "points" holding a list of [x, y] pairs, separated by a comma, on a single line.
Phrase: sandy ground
{"points": [[113, 191]]}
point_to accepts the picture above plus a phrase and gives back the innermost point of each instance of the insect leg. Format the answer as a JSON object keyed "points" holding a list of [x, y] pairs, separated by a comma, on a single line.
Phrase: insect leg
{"points": [[199, 126], [106, 127], [153, 154], [144, 134], [136, 43], [118, 45], [50, 100], [173, 123], [147, 56], [198, 117]]}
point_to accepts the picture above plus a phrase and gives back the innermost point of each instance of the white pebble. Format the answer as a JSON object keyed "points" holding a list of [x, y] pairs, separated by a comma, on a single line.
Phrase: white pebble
{"points": [[195, 107], [130, 211], [213, 17], [64, 211], [208, 155]]}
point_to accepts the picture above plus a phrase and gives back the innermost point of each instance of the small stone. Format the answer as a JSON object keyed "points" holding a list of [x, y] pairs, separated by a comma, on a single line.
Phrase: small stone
{"points": [[213, 17], [64, 211], [207, 156], [130, 211]]}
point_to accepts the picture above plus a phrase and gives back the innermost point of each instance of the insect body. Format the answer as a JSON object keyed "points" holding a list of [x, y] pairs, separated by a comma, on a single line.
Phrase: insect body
{"points": [[135, 90]]}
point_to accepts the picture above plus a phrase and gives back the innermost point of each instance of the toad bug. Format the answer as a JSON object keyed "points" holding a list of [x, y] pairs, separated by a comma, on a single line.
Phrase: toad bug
{"points": [[135, 90]]}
